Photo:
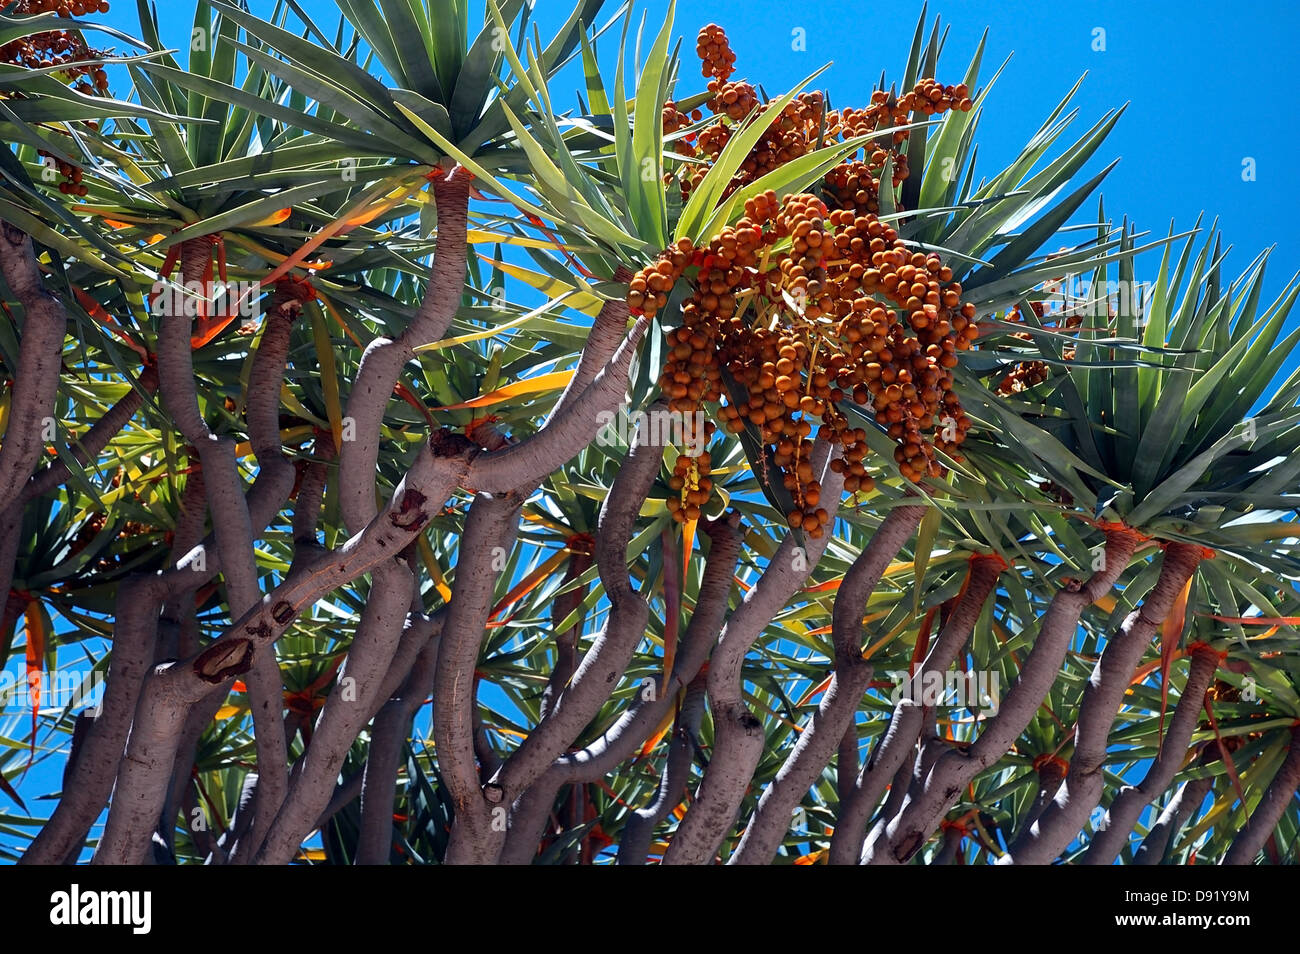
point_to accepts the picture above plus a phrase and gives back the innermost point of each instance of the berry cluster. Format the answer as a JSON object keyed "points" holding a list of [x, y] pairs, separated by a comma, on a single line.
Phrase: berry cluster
{"points": [[788, 318], [803, 126], [790, 308], [96, 523], [734, 100], [927, 97], [792, 134], [70, 183], [1024, 375], [674, 119], [648, 290], [690, 479], [56, 47], [714, 50]]}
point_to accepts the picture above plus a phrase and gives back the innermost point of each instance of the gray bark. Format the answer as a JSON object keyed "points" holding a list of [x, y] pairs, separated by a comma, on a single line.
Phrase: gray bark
{"points": [[634, 845], [1131, 800], [905, 833], [40, 355], [1281, 790], [909, 720], [1061, 821], [839, 704], [1160, 836]]}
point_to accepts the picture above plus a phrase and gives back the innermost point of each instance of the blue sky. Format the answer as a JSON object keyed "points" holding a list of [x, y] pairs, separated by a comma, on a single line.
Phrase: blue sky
{"points": [[1203, 86]]}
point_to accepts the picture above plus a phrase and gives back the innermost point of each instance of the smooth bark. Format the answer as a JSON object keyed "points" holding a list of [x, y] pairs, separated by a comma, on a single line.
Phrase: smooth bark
{"points": [[1103, 695], [1131, 800]]}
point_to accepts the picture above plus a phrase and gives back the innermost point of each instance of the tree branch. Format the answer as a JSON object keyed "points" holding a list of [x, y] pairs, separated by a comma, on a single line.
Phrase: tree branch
{"points": [[490, 529], [566, 641], [851, 824], [1250, 840], [40, 355], [171, 690], [438, 468], [619, 742], [1061, 821], [234, 532], [839, 704], [382, 362], [634, 845], [739, 739], [91, 445], [1128, 804], [90, 780], [603, 665], [391, 730], [265, 686], [880, 771], [903, 836], [1160, 836], [350, 705], [565, 434], [607, 331]]}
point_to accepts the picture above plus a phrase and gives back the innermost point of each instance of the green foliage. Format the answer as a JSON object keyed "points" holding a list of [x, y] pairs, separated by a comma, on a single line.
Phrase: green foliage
{"points": [[1170, 420]]}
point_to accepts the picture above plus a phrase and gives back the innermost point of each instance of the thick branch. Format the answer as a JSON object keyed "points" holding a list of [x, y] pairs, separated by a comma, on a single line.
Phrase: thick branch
{"points": [[846, 762], [382, 362], [846, 843], [879, 771], [391, 730], [234, 533], [565, 434], [820, 738], [634, 845], [137, 606], [905, 833], [430, 480], [1250, 840], [265, 687], [350, 705], [1061, 822], [311, 492], [1051, 773], [1160, 836], [789, 567], [175, 360], [739, 740], [40, 351], [490, 529], [92, 444], [566, 641], [171, 690], [603, 665], [620, 741], [90, 780], [607, 331], [1127, 806]]}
